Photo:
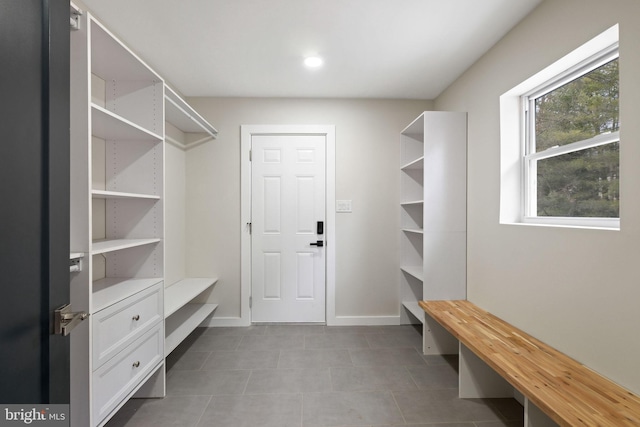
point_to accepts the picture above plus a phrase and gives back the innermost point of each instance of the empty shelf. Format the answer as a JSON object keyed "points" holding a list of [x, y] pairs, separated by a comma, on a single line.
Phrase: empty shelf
{"points": [[414, 308], [414, 271], [180, 293], [183, 322], [104, 246]]}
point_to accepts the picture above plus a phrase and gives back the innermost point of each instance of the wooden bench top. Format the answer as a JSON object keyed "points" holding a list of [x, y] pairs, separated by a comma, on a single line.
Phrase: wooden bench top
{"points": [[566, 390]]}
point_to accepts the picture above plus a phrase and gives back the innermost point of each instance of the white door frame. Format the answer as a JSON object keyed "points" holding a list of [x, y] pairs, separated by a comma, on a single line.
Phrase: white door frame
{"points": [[246, 133]]}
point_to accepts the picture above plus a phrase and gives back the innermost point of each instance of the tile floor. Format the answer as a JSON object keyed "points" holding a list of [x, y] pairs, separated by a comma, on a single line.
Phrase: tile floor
{"points": [[312, 376]]}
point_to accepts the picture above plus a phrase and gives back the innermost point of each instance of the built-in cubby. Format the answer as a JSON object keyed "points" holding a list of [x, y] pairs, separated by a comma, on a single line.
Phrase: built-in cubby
{"points": [[432, 214], [185, 129]]}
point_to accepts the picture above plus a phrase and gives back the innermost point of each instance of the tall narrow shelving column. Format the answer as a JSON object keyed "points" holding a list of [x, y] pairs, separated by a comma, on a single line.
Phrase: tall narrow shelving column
{"points": [[433, 219], [118, 220], [411, 218]]}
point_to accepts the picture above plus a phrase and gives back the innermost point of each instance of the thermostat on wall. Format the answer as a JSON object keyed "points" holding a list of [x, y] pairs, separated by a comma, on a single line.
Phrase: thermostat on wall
{"points": [[343, 205]]}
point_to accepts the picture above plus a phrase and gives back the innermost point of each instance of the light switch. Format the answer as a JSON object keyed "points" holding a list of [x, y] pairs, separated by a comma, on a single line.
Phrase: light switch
{"points": [[343, 205]]}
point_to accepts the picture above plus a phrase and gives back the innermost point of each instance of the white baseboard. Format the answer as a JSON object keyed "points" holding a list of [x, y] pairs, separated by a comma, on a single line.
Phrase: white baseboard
{"points": [[337, 321]]}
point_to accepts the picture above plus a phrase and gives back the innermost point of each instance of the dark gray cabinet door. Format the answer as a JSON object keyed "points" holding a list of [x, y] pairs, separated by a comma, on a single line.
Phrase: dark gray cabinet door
{"points": [[34, 204]]}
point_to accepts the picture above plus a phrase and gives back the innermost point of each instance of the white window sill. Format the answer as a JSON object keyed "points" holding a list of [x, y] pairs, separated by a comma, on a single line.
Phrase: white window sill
{"points": [[608, 224]]}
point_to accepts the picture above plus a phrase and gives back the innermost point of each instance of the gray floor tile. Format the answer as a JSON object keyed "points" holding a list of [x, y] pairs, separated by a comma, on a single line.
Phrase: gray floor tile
{"points": [[247, 359], [349, 409], [187, 383], [335, 341], [172, 411], [435, 425], [386, 356], [248, 330], [509, 409], [272, 342], [289, 381], [372, 378], [353, 330], [440, 406], [442, 359], [207, 342], [400, 340], [429, 377], [402, 329], [187, 361], [295, 329], [263, 376], [265, 410], [320, 358], [501, 423]]}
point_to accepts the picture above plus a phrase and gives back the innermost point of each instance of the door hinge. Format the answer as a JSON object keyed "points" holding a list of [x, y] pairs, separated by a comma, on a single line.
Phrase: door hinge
{"points": [[250, 155], [74, 18], [249, 227], [250, 302]]}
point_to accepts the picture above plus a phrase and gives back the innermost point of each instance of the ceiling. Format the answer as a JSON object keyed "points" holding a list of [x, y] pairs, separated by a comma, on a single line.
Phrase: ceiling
{"points": [[410, 49]]}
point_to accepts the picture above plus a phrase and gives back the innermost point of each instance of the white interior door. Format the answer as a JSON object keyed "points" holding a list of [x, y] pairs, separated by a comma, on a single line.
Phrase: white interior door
{"points": [[287, 203]]}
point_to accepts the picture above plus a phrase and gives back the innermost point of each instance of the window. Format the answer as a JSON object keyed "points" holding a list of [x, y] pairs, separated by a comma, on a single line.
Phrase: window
{"points": [[572, 145], [560, 141]]}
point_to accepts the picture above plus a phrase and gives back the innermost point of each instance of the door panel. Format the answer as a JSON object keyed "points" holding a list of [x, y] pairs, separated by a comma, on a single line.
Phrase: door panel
{"points": [[288, 199], [34, 183]]}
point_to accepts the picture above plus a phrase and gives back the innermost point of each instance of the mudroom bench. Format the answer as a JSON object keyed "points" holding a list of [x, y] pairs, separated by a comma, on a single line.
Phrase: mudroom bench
{"points": [[496, 357]]}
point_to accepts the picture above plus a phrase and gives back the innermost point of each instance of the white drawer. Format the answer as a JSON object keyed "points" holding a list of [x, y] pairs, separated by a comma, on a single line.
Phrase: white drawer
{"points": [[118, 325], [117, 378]]}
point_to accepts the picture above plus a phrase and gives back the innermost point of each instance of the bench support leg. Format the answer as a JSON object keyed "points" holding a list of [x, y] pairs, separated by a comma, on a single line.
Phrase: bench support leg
{"points": [[534, 417], [479, 380], [436, 339]]}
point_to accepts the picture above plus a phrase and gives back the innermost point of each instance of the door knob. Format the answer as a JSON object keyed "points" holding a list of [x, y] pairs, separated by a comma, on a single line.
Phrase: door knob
{"points": [[319, 243]]}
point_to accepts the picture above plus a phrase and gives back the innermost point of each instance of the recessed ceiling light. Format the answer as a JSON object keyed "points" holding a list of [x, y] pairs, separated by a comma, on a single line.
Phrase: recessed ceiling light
{"points": [[313, 61]]}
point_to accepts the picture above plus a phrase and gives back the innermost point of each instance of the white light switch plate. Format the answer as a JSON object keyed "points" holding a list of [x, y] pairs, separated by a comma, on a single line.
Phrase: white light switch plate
{"points": [[343, 205]]}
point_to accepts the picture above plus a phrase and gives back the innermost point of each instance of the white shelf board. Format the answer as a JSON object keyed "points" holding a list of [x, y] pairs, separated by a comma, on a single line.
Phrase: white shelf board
{"points": [[414, 309], [415, 128], [101, 194], [108, 125], [187, 145], [111, 245], [110, 290], [414, 271], [412, 203], [183, 116], [414, 165], [115, 61], [76, 255], [413, 230], [183, 322], [180, 293]]}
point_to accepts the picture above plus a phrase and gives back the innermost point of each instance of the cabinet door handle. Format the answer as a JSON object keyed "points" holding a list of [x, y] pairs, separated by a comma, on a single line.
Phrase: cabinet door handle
{"points": [[136, 317], [136, 364]]}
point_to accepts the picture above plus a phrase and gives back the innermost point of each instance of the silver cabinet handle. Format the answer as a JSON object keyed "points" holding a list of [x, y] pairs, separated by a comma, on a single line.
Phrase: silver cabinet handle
{"points": [[136, 317], [136, 364]]}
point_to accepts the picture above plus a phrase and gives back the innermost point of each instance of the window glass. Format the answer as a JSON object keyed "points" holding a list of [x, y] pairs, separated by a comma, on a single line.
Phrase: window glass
{"points": [[579, 110], [582, 183]]}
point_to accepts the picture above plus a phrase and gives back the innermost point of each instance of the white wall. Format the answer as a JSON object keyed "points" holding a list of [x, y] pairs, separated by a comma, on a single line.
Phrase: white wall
{"points": [[175, 209], [367, 161], [577, 290]]}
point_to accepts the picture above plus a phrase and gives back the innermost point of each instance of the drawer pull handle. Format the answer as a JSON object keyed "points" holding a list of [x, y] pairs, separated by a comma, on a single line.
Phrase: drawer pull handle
{"points": [[136, 317], [136, 364]]}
